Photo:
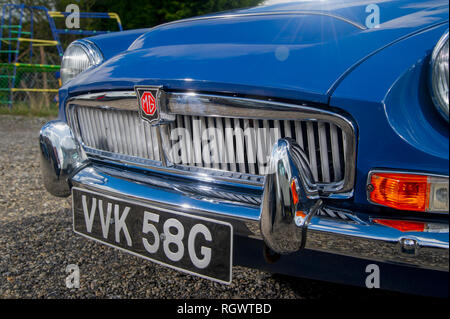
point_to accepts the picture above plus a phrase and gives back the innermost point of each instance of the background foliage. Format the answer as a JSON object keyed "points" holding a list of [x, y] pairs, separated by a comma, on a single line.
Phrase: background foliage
{"points": [[148, 13], [133, 13]]}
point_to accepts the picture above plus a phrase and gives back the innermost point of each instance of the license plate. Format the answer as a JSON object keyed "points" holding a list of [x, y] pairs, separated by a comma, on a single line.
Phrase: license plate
{"points": [[188, 243]]}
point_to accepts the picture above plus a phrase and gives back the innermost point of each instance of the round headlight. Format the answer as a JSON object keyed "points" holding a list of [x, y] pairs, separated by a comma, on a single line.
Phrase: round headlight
{"points": [[79, 56], [439, 76]]}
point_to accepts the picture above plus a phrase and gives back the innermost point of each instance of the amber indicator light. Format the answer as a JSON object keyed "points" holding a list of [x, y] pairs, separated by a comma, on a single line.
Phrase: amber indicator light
{"points": [[400, 191], [294, 191], [300, 213]]}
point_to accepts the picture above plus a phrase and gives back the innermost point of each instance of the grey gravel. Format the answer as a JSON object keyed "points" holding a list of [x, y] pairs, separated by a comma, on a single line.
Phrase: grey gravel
{"points": [[37, 243]]}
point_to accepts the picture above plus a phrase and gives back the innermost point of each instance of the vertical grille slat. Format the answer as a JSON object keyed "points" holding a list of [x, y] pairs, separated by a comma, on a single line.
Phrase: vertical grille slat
{"points": [[213, 143], [258, 146], [137, 137], [265, 144], [287, 129], [108, 137], [196, 138], [97, 130], [155, 143], [101, 136], [241, 146], [335, 152], [83, 126], [188, 140], [182, 140], [112, 131], [129, 145], [312, 150], [277, 129], [148, 138], [91, 128], [206, 152], [223, 160], [120, 135], [250, 144], [175, 154], [298, 133], [344, 146], [146, 147], [323, 152], [123, 124], [134, 137], [230, 149]]}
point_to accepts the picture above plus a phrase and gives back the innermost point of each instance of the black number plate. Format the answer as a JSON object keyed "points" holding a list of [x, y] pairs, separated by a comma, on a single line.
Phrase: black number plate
{"points": [[189, 243]]}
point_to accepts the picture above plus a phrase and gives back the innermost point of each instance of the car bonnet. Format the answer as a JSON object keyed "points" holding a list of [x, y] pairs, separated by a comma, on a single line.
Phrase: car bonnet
{"points": [[288, 51]]}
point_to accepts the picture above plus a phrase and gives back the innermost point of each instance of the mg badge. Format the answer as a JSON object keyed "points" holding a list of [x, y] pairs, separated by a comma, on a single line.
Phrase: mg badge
{"points": [[149, 103]]}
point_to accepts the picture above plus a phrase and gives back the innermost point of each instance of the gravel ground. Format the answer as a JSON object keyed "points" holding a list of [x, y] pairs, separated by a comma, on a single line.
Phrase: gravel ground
{"points": [[37, 243]]}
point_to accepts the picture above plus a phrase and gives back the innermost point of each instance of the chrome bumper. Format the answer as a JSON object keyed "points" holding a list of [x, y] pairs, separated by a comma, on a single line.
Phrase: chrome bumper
{"points": [[61, 157], [327, 229]]}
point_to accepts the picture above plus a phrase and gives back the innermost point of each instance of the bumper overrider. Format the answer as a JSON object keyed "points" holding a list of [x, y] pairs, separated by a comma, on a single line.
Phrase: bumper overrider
{"points": [[290, 218]]}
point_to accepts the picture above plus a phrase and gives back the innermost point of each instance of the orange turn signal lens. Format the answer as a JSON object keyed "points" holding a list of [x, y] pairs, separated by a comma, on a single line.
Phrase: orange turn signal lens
{"points": [[413, 192], [300, 213], [294, 191], [399, 191]]}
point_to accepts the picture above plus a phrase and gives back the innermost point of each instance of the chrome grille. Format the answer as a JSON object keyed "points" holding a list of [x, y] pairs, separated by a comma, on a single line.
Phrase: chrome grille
{"points": [[244, 145], [117, 131], [223, 139]]}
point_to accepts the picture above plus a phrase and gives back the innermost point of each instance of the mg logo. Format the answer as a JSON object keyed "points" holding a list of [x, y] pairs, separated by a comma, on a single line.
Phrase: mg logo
{"points": [[148, 103], [148, 98]]}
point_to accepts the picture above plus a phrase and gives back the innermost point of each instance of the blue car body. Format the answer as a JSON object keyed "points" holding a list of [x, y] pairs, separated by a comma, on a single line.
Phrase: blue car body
{"points": [[319, 53]]}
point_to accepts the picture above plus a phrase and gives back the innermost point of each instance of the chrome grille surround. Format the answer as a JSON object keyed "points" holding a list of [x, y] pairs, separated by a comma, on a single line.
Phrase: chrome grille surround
{"points": [[324, 129]]}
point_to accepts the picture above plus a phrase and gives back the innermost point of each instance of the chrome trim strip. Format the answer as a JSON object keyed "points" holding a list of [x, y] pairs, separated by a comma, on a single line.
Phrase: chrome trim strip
{"points": [[194, 104], [197, 190], [257, 14], [92, 50], [370, 241], [125, 100], [197, 173]]}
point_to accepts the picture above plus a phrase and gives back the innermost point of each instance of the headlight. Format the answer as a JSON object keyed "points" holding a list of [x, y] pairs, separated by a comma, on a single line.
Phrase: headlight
{"points": [[79, 56], [439, 76]]}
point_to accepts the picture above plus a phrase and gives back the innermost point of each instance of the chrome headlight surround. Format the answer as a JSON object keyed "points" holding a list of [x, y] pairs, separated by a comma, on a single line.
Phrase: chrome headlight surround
{"points": [[78, 57], [439, 77]]}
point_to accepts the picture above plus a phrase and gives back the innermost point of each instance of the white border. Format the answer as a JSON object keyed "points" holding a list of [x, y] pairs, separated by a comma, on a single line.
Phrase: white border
{"points": [[167, 211]]}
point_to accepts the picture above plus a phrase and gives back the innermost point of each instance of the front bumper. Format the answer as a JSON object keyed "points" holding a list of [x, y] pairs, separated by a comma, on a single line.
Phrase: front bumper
{"points": [[336, 231]]}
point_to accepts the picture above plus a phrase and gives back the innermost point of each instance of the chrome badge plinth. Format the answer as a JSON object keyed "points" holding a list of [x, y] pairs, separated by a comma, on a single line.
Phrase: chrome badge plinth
{"points": [[152, 105]]}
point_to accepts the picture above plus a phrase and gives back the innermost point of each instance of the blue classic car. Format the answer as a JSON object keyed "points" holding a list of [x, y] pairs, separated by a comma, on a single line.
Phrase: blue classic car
{"points": [[309, 139]]}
